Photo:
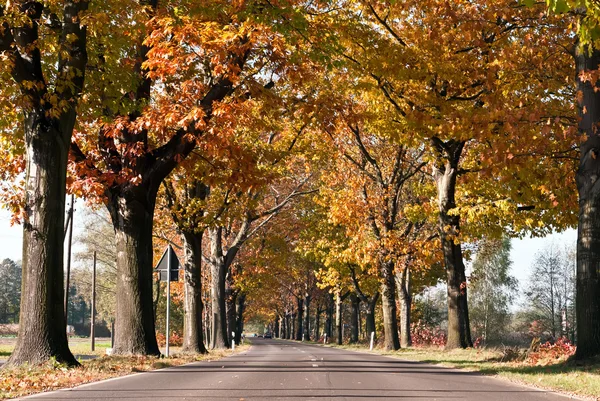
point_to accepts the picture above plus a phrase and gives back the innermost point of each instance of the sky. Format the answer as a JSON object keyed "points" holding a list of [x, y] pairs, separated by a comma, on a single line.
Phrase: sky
{"points": [[522, 254]]}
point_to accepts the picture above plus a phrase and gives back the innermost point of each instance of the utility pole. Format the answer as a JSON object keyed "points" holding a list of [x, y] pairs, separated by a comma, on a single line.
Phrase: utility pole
{"points": [[93, 319], [70, 222]]}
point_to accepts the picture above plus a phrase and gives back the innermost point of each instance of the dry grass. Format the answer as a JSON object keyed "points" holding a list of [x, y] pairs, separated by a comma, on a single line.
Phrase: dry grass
{"points": [[25, 380]]}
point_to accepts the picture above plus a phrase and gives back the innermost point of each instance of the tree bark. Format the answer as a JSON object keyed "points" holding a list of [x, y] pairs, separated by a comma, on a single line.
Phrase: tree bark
{"points": [[277, 330], [370, 318], [329, 316], [239, 318], [219, 338], [445, 175], [388, 297], [231, 302], [299, 316], [306, 328], [207, 320], [318, 313], [405, 296], [588, 234], [339, 299], [354, 311], [42, 332], [132, 213], [193, 338], [287, 326]]}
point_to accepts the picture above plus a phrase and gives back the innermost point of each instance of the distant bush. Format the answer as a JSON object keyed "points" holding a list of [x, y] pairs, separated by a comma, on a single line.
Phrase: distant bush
{"points": [[175, 340], [424, 335]]}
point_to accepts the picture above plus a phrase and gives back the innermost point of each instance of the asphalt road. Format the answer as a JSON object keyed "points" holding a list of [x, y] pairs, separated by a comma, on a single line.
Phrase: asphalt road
{"points": [[284, 370]]}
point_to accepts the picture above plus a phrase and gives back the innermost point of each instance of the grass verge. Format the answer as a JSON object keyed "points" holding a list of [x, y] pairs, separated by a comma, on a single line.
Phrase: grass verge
{"points": [[559, 374], [26, 380]]}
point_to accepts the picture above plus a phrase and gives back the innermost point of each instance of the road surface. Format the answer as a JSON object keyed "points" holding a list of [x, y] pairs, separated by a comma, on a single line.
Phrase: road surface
{"points": [[284, 370]]}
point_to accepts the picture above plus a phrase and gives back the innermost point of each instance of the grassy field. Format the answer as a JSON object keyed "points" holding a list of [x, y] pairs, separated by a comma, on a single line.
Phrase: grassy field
{"points": [[576, 378], [79, 346]]}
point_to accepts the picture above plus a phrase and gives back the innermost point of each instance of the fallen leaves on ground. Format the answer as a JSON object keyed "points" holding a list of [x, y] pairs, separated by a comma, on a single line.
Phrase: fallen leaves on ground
{"points": [[25, 380]]}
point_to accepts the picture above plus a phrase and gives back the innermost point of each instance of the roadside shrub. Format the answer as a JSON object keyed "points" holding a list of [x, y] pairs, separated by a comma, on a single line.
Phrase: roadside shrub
{"points": [[175, 340], [549, 352], [423, 335]]}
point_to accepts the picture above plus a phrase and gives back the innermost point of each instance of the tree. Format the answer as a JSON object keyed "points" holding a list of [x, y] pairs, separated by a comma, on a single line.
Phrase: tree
{"points": [[224, 56], [492, 289], [587, 62], [97, 235], [44, 52], [449, 73], [10, 291], [549, 293], [245, 214], [370, 187], [188, 213]]}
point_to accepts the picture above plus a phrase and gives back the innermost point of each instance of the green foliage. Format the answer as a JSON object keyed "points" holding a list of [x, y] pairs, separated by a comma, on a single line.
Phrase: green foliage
{"points": [[10, 291], [97, 234], [492, 290], [429, 307]]}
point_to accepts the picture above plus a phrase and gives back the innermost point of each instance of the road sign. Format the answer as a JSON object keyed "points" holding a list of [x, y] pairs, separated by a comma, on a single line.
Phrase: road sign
{"points": [[169, 265], [163, 264]]}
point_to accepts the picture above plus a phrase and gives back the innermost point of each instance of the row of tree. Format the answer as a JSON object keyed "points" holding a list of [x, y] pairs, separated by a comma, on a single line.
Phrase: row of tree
{"points": [[422, 125]]}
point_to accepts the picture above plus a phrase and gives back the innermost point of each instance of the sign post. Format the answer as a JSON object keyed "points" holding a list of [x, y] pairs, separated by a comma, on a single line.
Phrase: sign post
{"points": [[93, 320], [168, 301], [168, 268]]}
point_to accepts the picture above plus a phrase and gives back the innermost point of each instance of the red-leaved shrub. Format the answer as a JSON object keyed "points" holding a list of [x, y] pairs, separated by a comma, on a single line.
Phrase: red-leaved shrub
{"points": [[551, 352], [423, 335], [175, 340]]}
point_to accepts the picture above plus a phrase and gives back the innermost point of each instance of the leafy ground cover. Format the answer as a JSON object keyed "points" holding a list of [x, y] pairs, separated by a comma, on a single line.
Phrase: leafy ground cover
{"points": [[25, 380], [551, 367]]}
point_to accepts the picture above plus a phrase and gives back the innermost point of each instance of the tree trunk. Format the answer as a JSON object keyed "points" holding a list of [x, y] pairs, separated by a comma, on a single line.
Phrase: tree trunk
{"points": [[306, 328], [231, 301], [588, 234], [329, 316], [219, 338], [338, 318], [218, 268], [207, 321], [239, 319], [318, 323], [445, 174], [355, 307], [405, 295], [193, 339], [370, 318], [286, 327], [293, 333], [388, 297], [132, 213], [42, 333], [299, 316]]}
